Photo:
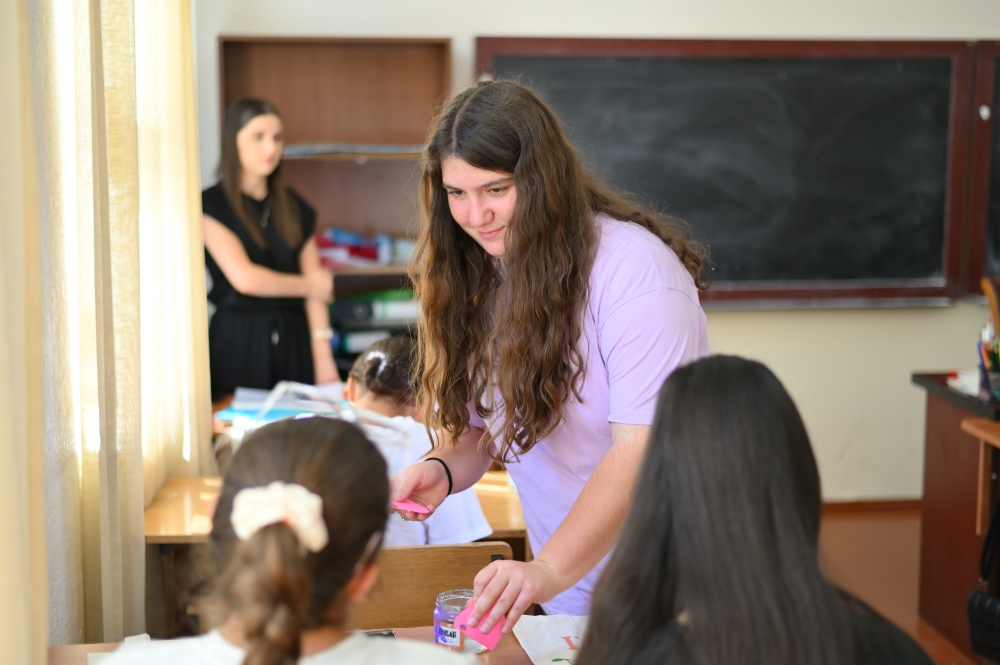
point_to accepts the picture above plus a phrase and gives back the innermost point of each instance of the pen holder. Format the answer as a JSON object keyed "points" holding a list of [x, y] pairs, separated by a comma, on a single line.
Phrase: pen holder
{"points": [[994, 382]]}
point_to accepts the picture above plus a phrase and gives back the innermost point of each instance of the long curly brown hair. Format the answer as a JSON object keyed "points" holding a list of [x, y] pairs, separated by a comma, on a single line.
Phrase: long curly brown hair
{"points": [[513, 326]]}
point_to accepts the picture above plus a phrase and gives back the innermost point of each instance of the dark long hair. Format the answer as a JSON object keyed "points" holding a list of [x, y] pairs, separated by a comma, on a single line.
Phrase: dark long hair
{"points": [[284, 213], [524, 327], [384, 369], [724, 528], [265, 581]]}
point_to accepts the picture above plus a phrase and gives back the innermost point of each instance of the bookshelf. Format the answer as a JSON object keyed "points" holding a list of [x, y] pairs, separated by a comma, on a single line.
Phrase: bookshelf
{"points": [[356, 115]]}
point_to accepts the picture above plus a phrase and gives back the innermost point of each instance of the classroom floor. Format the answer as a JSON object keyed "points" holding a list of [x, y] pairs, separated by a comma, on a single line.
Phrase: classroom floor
{"points": [[875, 554]]}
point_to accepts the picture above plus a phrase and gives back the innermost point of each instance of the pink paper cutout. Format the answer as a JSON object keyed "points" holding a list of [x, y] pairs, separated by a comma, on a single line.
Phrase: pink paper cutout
{"points": [[411, 506], [488, 640]]}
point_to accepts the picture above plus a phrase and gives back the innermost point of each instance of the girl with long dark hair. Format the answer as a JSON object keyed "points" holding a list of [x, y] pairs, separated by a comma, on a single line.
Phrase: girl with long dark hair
{"points": [[552, 310], [271, 294], [717, 561], [293, 546]]}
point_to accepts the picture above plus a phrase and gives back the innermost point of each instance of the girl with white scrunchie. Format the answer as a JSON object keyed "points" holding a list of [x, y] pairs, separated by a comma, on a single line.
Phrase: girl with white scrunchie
{"points": [[293, 544]]}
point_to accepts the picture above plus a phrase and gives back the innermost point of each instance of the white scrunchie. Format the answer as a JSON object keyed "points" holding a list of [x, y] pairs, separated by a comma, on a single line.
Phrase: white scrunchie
{"points": [[294, 505]]}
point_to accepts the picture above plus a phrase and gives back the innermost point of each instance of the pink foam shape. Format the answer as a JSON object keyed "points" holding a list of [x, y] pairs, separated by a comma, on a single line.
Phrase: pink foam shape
{"points": [[411, 506], [488, 640]]}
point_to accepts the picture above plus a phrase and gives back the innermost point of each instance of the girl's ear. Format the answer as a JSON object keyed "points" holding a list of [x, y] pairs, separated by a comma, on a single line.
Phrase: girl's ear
{"points": [[359, 586], [351, 392]]}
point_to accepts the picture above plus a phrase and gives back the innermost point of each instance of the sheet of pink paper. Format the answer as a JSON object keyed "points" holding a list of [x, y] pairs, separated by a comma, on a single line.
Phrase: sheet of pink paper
{"points": [[488, 640], [412, 506]]}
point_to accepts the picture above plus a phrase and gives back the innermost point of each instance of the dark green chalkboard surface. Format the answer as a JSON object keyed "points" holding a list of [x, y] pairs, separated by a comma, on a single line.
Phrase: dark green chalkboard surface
{"points": [[984, 214], [809, 175]]}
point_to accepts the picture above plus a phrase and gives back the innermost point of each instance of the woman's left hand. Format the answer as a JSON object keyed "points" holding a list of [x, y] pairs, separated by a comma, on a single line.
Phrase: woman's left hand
{"points": [[510, 588]]}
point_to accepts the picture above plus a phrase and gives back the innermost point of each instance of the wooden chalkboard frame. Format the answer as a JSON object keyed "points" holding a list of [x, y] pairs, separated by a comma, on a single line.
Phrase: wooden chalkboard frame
{"points": [[938, 291], [987, 54]]}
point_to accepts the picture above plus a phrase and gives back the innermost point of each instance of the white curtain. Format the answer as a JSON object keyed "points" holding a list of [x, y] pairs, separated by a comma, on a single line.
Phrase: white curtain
{"points": [[125, 350], [22, 517], [176, 397]]}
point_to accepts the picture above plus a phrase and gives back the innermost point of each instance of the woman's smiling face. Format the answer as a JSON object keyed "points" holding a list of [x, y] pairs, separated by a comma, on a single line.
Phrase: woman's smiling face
{"points": [[482, 202]]}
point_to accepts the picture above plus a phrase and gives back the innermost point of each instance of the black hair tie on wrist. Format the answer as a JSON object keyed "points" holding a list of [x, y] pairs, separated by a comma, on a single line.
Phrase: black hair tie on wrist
{"points": [[446, 470]]}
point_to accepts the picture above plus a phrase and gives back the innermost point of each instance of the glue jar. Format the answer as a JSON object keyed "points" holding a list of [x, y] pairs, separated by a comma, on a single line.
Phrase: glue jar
{"points": [[449, 605]]}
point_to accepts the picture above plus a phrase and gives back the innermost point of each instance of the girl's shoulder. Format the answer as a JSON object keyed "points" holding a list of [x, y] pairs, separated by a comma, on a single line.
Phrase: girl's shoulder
{"points": [[361, 649], [215, 204], [880, 642], [631, 261], [210, 649]]}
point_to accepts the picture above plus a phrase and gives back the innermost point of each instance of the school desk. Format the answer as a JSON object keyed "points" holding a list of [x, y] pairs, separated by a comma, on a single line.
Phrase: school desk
{"points": [[951, 533], [508, 651], [181, 512]]}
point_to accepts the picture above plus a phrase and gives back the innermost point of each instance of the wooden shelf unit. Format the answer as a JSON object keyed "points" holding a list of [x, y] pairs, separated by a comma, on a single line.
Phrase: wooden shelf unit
{"points": [[364, 105]]}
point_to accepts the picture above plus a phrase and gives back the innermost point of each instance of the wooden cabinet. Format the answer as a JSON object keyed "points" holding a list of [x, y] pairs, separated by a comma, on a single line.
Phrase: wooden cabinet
{"points": [[356, 114], [949, 543]]}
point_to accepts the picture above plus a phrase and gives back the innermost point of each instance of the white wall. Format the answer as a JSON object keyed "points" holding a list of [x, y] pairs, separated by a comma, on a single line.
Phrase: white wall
{"points": [[848, 370]]}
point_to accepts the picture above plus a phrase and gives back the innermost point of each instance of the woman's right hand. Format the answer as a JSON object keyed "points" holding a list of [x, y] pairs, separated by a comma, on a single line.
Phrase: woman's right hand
{"points": [[320, 285], [424, 482]]}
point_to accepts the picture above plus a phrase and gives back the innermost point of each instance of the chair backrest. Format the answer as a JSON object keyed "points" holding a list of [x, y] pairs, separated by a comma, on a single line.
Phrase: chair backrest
{"points": [[412, 577]]}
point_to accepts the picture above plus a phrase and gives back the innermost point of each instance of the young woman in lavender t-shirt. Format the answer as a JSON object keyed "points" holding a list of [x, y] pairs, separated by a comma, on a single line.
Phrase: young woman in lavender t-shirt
{"points": [[553, 310]]}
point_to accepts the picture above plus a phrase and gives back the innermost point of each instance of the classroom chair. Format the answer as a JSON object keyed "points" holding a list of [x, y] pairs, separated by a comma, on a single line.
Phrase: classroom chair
{"points": [[412, 577]]}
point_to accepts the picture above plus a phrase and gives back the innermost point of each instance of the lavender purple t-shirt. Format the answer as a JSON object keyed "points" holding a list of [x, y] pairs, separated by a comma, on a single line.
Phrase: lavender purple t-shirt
{"points": [[643, 320]]}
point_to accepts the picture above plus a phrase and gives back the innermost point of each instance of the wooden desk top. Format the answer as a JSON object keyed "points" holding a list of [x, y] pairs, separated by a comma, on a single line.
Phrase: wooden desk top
{"points": [[983, 429], [508, 651], [501, 507], [182, 510]]}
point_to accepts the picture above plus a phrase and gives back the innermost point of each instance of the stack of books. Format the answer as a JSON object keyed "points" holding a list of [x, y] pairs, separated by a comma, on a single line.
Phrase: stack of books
{"points": [[345, 249], [360, 322]]}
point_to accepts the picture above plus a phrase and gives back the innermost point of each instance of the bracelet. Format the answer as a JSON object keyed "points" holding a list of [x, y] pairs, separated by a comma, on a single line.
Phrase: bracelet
{"points": [[446, 470], [322, 334]]}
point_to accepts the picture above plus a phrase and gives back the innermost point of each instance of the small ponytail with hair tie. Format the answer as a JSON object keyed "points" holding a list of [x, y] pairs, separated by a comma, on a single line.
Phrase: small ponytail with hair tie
{"points": [[384, 368]]}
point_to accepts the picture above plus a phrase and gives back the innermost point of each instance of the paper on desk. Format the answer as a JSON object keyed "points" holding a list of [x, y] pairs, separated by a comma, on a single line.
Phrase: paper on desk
{"points": [[252, 399], [966, 381], [551, 639]]}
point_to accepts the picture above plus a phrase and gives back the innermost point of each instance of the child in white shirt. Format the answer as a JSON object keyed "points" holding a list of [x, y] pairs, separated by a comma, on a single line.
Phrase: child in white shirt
{"points": [[380, 384], [293, 544]]}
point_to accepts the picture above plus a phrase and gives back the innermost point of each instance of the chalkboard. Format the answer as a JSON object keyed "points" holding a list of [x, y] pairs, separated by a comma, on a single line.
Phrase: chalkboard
{"points": [[992, 206], [805, 176]]}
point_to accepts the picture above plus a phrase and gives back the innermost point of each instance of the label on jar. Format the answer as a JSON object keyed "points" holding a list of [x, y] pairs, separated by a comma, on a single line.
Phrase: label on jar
{"points": [[449, 636]]}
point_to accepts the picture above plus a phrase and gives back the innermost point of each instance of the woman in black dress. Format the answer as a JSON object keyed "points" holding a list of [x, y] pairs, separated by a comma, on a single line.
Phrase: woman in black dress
{"points": [[271, 323]]}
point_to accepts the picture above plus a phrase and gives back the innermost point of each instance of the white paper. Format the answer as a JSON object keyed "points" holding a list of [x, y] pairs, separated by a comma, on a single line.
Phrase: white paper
{"points": [[551, 639], [252, 399]]}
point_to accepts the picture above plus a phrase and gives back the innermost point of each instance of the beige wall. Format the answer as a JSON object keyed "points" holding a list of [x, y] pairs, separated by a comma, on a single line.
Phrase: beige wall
{"points": [[849, 369]]}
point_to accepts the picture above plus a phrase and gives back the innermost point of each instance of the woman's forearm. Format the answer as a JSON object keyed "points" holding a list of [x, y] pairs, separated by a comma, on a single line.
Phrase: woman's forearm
{"points": [[318, 315], [592, 525], [254, 280], [465, 457], [324, 367]]}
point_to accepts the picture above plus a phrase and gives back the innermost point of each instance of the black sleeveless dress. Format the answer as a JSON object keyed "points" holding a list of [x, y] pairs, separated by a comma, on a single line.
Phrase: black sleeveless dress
{"points": [[257, 342]]}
